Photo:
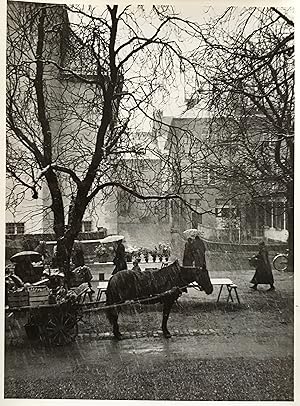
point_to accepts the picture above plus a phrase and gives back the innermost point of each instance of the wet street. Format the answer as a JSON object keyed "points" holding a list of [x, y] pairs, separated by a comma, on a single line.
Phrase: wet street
{"points": [[203, 367], [240, 352]]}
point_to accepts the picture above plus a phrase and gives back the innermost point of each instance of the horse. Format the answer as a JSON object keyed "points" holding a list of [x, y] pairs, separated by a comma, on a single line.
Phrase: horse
{"points": [[168, 282]]}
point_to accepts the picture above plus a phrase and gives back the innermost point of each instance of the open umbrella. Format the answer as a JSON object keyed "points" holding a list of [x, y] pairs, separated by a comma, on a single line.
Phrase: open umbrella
{"points": [[191, 233], [33, 255], [111, 238]]}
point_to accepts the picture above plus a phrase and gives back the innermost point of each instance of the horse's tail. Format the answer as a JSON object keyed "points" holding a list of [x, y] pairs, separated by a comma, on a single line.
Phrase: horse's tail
{"points": [[111, 312]]}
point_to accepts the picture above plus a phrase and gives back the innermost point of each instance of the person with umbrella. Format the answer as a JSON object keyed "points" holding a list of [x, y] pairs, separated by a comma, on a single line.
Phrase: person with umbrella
{"points": [[188, 254], [24, 268], [120, 257], [199, 252]]}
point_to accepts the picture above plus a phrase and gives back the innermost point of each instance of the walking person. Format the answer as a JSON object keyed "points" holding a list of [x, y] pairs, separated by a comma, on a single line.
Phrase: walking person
{"points": [[120, 257], [199, 252], [263, 273], [188, 254]]}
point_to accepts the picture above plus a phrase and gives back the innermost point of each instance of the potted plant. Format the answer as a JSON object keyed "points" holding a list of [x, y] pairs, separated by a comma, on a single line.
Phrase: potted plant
{"points": [[145, 252], [101, 253], [128, 256], [160, 252], [166, 252], [154, 254], [137, 254]]}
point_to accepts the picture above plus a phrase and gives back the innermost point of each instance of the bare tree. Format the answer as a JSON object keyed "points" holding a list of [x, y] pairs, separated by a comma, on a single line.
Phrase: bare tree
{"points": [[80, 80], [246, 81]]}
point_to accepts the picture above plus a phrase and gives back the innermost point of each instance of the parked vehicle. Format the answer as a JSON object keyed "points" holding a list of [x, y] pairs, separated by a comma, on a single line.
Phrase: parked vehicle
{"points": [[280, 261]]}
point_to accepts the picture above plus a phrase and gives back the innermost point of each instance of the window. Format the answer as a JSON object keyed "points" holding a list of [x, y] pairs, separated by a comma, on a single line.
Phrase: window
{"points": [[225, 210], [20, 228], [15, 228], [163, 213], [86, 226], [211, 177], [125, 202], [268, 214], [195, 217], [206, 176], [279, 215]]}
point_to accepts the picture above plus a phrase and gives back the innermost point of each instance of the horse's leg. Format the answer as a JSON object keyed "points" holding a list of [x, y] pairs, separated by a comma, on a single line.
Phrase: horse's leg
{"points": [[168, 303], [112, 315]]}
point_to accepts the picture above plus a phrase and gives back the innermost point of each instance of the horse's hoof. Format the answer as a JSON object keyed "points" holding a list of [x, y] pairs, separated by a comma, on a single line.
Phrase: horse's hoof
{"points": [[167, 335], [118, 336]]}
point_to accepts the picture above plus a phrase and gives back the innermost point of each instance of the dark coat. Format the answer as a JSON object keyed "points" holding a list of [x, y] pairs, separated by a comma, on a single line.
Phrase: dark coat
{"points": [[78, 258], [120, 259], [263, 273], [26, 272], [199, 253], [188, 254]]}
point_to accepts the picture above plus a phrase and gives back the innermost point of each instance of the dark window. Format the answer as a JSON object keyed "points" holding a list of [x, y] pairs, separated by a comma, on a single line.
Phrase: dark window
{"points": [[10, 228], [227, 212], [86, 226], [163, 213], [212, 177], [196, 218], [15, 228], [20, 228], [279, 215], [268, 214], [125, 203]]}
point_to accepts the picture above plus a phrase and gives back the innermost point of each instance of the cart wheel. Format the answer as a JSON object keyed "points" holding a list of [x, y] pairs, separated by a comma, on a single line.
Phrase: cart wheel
{"points": [[60, 329]]}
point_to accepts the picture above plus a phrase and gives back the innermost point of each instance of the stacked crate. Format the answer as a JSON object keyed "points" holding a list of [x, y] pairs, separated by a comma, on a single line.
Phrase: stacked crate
{"points": [[38, 295], [18, 298]]}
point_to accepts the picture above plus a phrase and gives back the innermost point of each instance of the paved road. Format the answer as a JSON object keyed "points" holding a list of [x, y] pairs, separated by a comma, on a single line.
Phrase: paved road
{"points": [[201, 367], [241, 354]]}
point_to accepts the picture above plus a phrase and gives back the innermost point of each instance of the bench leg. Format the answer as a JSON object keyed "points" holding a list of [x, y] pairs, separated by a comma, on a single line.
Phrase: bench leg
{"points": [[99, 294], [237, 296], [220, 291], [229, 288]]}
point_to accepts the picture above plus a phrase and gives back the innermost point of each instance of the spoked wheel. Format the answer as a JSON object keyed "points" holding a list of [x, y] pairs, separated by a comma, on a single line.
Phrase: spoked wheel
{"points": [[61, 328], [280, 262]]}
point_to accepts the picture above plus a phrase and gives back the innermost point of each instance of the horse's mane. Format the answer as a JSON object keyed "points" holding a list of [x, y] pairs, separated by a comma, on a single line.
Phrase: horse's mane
{"points": [[128, 285]]}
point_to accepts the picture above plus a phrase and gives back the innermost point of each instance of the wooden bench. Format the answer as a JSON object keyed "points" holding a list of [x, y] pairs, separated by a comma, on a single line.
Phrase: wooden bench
{"points": [[102, 286], [229, 285]]}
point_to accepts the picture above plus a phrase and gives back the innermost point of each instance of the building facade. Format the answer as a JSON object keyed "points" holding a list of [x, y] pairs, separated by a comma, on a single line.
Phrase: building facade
{"points": [[173, 161]]}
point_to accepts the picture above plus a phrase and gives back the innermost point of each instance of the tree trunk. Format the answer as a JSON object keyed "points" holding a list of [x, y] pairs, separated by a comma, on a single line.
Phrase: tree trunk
{"points": [[290, 218], [64, 250], [66, 242]]}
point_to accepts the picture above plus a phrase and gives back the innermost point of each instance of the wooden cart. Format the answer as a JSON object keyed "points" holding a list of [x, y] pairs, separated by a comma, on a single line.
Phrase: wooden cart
{"points": [[53, 324]]}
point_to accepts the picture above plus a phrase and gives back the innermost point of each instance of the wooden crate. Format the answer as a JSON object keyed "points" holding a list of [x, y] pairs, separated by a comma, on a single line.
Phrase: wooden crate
{"points": [[18, 298], [38, 295]]}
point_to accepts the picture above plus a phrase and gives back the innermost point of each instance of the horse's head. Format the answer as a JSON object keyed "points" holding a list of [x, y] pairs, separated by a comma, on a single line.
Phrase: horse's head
{"points": [[201, 277]]}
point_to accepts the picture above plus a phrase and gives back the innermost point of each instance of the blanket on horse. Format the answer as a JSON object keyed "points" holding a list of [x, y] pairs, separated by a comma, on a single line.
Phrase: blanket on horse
{"points": [[129, 285]]}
